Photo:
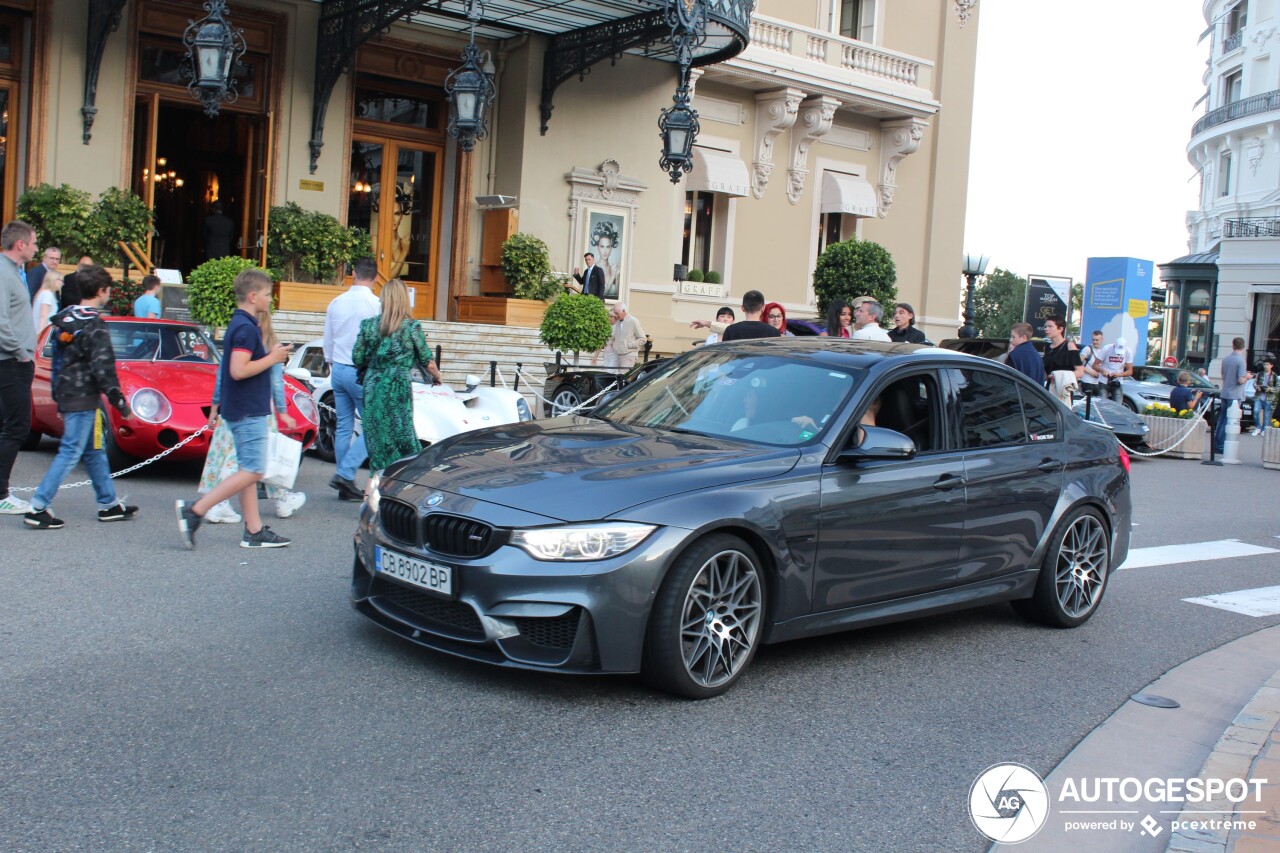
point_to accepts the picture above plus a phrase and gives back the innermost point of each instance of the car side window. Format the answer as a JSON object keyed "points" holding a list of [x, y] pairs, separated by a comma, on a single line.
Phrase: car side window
{"points": [[990, 409], [1042, 418], [313, 361], [911, 406]]}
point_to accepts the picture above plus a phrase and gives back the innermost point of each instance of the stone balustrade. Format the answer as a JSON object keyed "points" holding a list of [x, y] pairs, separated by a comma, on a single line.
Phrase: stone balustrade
{"points": [[773, 35]]}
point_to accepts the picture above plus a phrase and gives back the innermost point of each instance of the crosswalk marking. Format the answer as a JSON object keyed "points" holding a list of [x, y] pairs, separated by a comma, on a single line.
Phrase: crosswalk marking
{"points": [[1264, 601], [1192, 552]]}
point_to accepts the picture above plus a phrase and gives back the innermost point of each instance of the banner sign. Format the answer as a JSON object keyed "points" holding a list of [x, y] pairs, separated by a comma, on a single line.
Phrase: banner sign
{"points": [[1117, 302], [1046, 295]]}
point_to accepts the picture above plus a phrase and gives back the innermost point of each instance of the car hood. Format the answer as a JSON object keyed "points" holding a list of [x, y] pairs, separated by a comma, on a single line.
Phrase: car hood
{"points": [[581, 469], [181, 382]]}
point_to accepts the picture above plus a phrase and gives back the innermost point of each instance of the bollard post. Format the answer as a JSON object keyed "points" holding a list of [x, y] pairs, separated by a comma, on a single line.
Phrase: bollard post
{"points": [[1213, 432], [515, 386], [557, 361], [493, 374], [648, 348], [1231, 447], [439, 352]]}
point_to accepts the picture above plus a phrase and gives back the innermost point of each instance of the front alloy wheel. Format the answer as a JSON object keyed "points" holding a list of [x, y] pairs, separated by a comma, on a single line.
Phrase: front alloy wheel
{"points": [[707, 619], [565, 400], [1074, 574], [327, 430]]}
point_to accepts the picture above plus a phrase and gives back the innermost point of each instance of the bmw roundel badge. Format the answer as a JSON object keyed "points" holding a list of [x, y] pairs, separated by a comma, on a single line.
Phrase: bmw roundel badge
{"points": [[435, 500]]}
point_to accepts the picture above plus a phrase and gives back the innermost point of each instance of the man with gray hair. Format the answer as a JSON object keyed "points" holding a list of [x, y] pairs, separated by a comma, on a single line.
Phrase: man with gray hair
{"points": [[17, 355], [866, 321], [628, 338]]}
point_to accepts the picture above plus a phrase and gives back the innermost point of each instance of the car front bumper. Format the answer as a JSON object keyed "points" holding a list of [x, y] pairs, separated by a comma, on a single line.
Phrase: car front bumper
{"points": [[511, 610]]}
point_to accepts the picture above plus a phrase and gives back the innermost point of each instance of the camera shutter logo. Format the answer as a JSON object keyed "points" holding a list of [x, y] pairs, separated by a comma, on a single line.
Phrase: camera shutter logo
{"points": [[1008, 803]]}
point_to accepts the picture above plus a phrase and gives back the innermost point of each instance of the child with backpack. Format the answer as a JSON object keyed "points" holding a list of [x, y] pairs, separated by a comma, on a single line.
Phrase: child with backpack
{"points": [[84, 369]]}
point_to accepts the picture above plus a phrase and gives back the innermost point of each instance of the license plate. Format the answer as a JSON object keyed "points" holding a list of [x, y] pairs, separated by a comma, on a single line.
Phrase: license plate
{"points": [[411, 570]]}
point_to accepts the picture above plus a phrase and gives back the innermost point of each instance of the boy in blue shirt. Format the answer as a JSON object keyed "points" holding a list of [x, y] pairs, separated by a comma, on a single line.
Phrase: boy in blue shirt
{"points": [[147, 305], [246, 407]]}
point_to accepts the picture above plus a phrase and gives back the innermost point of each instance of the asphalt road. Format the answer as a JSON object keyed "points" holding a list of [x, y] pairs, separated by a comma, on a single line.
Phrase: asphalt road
{"points": [[153, 698]]}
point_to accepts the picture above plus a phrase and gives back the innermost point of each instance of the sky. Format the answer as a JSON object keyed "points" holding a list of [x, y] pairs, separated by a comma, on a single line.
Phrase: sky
{"points": [[1081, 117]]}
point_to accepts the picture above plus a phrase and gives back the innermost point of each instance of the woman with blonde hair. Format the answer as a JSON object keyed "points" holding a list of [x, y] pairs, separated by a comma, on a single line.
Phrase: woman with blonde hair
{"points": [[45, 304], [387, 348]]}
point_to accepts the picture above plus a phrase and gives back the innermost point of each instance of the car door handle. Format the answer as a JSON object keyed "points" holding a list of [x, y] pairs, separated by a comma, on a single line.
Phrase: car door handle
{"points": [[947, 482], [1050, 465]]}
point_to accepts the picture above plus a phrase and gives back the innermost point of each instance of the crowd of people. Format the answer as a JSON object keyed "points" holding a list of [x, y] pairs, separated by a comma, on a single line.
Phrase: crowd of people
{"points": [[859, 320]]}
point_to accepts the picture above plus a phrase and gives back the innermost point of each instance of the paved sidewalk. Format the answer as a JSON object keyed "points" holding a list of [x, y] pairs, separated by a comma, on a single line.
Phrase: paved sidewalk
{"points": [[1249, 749]]}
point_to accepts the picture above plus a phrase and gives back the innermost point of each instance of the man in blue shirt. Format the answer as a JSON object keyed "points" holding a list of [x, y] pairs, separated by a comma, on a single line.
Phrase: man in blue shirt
{"points": [[147, 305], [1023, 355], [246, 407]]}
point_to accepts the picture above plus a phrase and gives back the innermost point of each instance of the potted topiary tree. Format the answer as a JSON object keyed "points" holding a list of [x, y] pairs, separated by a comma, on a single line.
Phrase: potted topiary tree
{"points": [[855, 268], [308, 253], [526, 265], [211, 295], [576, 323], [66, 217]]}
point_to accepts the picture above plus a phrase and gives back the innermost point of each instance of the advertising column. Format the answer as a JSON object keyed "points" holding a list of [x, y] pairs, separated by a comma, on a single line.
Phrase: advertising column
{"points": [[1047, 295], [1117, 301]]}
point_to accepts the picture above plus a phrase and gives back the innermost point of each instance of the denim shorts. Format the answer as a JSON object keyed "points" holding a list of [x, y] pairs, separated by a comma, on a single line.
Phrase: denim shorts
{"points": [[250, 435]]}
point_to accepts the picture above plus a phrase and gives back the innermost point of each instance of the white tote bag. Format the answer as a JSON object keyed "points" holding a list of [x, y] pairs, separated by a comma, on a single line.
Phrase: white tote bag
{"points": [[284, 454]]}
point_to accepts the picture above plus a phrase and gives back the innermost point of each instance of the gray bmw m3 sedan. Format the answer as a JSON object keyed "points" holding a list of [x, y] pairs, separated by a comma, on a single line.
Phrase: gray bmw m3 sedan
{"points": [[746, 493]]}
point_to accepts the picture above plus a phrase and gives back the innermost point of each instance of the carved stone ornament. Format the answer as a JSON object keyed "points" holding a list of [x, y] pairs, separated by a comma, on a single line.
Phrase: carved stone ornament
{"points": [[1262, 35], [775, 112], [898, 138], [812, 124], [609, 175], [1253, 150], [964, 8]]}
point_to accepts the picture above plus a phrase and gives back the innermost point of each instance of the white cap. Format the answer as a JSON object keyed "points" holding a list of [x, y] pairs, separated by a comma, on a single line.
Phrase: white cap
{"points": [[1120, 343]]}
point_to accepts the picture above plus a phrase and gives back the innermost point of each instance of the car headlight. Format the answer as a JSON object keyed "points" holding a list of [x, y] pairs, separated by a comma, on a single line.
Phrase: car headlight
{"points": [[307, 406], [151, 406], [522, 410], [581, 542], [373, 496]]}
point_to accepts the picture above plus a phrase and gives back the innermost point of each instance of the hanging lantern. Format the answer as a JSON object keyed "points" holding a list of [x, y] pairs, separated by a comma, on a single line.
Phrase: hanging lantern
{"points": [[213, 48], [470, 90], [678, 126]]}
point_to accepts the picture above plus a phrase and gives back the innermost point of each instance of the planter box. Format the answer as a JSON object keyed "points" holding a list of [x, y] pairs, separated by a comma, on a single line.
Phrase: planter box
{"points": [[1271, 448], [296, 296], [501, 311], [1165, 431]]}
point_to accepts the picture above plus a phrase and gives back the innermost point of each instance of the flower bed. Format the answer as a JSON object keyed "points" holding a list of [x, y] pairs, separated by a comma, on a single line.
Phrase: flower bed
{"points": [[1167, 426]]}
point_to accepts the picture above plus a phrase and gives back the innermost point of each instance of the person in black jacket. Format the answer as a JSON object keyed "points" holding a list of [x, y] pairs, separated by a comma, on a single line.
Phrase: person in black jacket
{"points": [[591, 278], [84, 370], [71, 294], [904, 326]]}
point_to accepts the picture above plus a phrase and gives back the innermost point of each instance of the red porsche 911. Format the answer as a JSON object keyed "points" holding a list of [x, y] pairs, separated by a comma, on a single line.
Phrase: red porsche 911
{"points": [[167, 370]]}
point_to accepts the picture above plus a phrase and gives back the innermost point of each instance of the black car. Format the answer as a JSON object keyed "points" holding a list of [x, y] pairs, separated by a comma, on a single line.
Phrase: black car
{"points": [[740, 495], [567, 388]]}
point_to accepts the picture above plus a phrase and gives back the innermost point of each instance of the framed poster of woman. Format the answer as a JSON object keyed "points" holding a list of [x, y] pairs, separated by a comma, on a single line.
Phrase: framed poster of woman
{"points": [[606, 237]]}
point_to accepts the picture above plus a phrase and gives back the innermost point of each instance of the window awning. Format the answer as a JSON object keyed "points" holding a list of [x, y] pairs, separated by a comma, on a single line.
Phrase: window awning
{"points": [[844, 193], [718, 172]]}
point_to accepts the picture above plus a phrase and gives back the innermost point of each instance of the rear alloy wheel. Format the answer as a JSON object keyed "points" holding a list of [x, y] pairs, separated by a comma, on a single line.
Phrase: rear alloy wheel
{"points": [[116, 458], [327, 430], [1074, 574], [565, 399], [707, 620]]}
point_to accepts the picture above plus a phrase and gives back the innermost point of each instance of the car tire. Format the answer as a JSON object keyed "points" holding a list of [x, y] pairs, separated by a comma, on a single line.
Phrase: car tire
{"points": [[707, 620], [566, 397], [1074, 574], [1130, 405], [116, 458], [32, 441], [326, 430]]}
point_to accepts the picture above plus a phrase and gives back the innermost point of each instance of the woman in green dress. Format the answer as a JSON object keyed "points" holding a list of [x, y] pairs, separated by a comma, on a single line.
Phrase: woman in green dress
{"points": [[387, 348]]}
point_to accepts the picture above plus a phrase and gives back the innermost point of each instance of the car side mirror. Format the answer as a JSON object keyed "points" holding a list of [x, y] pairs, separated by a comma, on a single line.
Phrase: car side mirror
{"points": [[880, 443], [299, 373], [473, 382]]}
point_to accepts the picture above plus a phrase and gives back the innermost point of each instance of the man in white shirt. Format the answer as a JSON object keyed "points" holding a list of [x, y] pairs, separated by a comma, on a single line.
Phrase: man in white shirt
{"points": [[1113, 363], [866, 322], [341, 325], [628, 338]]}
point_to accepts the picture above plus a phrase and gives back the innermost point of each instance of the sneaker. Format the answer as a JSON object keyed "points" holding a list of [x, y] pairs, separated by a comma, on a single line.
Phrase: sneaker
{"points": [[222, 513], [188, 523], [14, 505], [289, 503], [119, 512], [43, 520], [264, 538]]}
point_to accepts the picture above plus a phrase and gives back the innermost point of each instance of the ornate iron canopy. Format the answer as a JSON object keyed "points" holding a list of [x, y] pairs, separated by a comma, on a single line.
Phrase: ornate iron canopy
{"points": [[583, 32], [104, 17]]}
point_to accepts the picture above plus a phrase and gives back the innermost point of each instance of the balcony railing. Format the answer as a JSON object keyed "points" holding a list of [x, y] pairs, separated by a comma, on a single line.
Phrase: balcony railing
{"points": [[778, 36], [1233, 41], [1232, 111], [1251, 228]]}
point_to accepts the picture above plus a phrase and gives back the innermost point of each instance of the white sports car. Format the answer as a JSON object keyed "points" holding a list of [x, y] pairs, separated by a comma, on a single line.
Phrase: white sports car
{"points": [[438, 410]]}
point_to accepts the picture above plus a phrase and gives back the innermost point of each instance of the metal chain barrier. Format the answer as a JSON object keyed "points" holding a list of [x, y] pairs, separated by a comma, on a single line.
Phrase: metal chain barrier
{"points": [[585, 404], [162, 454], [1200, 413]]}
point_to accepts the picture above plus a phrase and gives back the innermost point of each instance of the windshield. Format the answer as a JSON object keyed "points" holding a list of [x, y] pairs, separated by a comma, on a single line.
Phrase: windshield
{"points": [[760, 398], [161, 342]]}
